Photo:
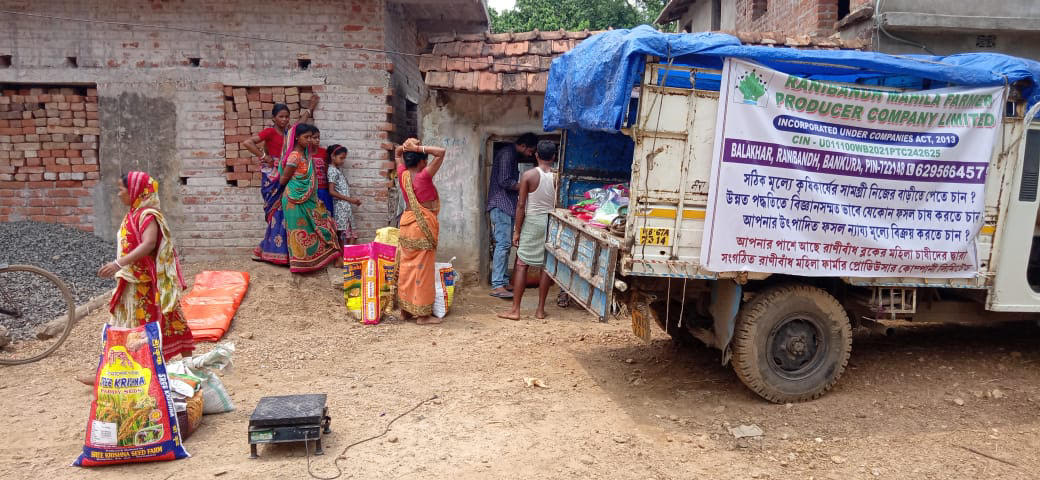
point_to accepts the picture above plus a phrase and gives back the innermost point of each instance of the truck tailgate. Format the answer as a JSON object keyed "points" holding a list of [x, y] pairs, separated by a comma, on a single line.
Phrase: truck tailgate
{"points": [[581, 260]]}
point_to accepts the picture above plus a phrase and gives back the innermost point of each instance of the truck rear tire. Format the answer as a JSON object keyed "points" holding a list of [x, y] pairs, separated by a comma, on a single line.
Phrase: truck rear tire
{"points": [[792, 343]]}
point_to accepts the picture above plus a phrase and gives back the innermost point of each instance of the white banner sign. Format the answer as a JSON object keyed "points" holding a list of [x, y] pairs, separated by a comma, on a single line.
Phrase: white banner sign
{"points": [[821, 179]]}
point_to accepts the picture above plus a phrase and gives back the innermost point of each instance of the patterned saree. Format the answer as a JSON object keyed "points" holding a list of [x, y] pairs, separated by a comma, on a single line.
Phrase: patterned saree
{"points": [[149, 289], [310, 231], [417, 249], [273, 248]]}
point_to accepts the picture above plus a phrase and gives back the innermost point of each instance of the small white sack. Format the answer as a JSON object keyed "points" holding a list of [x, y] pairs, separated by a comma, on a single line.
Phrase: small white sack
{"points": [[215, 398], [443, 288]]}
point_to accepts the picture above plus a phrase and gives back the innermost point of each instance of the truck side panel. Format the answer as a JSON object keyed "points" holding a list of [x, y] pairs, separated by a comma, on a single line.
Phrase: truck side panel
{"points": [[671, 170], [582, 261]]}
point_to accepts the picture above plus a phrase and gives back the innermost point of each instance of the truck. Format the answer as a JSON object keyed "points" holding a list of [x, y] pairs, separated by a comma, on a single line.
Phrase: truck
{"points": [[787, 337]]}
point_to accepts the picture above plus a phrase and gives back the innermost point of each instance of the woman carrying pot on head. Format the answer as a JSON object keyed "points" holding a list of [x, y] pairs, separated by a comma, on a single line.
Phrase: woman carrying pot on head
{"points": [[273, 248]]}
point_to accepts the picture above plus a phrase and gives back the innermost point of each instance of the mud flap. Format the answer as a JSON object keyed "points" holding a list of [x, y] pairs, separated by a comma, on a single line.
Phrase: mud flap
{"points": [[725, 303]]}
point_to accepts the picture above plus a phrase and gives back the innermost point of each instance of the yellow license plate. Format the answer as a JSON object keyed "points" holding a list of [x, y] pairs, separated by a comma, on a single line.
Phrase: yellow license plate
{"points": [[640, 325], [655, 236]]}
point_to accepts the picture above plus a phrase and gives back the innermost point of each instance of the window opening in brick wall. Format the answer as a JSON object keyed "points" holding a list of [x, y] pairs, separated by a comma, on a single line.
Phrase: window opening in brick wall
{"points": [[986, 41], [843, 9], [759, 8], [716, 15], [49, 134], [247, 111], [5, 61], [195, 61], [411, 119], [304, 63], [71, 62]]}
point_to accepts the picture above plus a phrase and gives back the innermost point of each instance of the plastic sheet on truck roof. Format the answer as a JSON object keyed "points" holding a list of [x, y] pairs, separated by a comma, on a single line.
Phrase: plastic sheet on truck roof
{"points": [[590, 86]]}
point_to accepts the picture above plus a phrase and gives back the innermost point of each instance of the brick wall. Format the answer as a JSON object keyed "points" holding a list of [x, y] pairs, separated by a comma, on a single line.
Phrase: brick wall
{"points": [[48, 154], [247, 111], [793, 17], [162, 99], [406, 81]]}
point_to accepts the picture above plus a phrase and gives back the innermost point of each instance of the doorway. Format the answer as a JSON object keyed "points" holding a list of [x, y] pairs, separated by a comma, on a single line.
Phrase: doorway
{"points": [[494, 144]]}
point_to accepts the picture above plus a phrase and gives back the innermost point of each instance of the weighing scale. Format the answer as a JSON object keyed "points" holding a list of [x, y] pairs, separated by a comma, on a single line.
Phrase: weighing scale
{"points": [[289, 418]]}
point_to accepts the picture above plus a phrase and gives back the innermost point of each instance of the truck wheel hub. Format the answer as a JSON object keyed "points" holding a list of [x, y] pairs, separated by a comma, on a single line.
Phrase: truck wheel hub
{"points": [[794, 347]]}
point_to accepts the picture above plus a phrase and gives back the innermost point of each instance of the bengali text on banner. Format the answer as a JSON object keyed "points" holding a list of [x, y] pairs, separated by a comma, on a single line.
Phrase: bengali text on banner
{"points": [[824, 179]]}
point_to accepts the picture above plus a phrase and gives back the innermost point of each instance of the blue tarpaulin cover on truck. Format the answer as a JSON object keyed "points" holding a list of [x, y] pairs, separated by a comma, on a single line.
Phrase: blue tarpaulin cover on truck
{"points": [[591, 85]]}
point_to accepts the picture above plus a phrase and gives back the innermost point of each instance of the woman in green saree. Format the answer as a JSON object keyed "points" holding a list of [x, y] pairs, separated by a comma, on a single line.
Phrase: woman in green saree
{"points": [[311, 232]]}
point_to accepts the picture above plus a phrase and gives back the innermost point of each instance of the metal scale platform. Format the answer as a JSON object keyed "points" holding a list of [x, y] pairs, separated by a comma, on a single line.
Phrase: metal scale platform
{"points": [[289, 418]]}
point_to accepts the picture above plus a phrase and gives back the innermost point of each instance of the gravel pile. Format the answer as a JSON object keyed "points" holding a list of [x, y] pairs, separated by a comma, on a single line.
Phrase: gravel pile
{"points": [[71, 254]]}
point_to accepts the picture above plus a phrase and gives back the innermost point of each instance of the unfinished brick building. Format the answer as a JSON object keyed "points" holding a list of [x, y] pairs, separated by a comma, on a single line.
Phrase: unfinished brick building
{"points": [[813, 18], [91, 89]]}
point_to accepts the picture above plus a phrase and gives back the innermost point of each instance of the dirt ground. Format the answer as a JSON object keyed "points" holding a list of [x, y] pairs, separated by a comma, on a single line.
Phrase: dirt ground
{"points": [[913, 405]]}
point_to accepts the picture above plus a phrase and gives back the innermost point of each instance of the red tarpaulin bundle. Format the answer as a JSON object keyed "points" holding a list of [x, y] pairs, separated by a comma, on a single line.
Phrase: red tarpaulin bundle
{"points": [[212, 303]]}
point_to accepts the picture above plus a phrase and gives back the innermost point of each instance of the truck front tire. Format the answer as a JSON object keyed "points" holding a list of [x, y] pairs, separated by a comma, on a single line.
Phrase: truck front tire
{"points": [[791, 343]]}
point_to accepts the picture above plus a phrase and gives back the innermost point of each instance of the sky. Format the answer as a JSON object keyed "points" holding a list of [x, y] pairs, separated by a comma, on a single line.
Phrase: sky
{"points": [[501, 4]]}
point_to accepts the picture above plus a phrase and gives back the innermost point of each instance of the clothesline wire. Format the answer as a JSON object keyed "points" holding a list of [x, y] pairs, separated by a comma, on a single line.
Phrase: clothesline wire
{"points": [[244, 37]]}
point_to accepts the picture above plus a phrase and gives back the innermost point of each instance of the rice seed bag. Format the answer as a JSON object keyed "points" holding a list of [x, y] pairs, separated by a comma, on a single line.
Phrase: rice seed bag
{"points": [[368, 274], [385, 258], [355, 257], [132, 418]]}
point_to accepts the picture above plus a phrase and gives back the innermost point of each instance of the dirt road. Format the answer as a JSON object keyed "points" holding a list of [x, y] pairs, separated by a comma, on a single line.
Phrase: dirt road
{"points": [[909, 406]]}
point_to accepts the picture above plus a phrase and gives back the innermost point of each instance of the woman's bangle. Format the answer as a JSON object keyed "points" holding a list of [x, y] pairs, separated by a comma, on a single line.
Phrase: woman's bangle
{"points": [[116, 261], [424, 149]]}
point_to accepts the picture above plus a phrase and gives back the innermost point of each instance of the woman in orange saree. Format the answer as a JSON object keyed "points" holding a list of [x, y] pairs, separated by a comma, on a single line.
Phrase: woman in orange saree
{"points": [[419, 229]]}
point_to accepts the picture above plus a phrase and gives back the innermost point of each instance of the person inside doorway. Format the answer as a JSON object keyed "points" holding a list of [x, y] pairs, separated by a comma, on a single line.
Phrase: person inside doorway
{"points": [[501, 206], [536, 199]]}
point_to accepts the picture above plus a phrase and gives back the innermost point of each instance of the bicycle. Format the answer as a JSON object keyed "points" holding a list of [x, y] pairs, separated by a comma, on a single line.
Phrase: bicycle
{"points": [[37, 313]]}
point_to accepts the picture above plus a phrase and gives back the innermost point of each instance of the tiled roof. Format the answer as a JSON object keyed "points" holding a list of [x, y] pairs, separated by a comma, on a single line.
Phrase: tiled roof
{"points": [[496, 62], [673, 10], [519, 62]]}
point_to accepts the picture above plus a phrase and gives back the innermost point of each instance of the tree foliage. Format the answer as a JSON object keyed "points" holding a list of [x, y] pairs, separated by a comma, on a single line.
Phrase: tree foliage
{"points": [[547, 15]]}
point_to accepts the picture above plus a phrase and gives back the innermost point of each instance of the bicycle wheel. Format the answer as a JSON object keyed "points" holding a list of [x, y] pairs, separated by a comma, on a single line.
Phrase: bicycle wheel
{"points": [[37, 313]]}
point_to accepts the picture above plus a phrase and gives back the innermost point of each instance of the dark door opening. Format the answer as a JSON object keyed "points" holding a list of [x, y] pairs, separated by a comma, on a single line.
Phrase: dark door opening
{"points": [[494, 145]]}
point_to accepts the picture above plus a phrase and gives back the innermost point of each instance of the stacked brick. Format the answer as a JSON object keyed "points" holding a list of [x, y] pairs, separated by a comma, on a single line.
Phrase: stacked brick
{"points": [[815, 18], [247, 111], [48, 154], [496, 63]]}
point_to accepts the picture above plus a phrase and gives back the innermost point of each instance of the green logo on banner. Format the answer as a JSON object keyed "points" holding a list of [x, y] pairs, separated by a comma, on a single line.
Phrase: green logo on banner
{"points": [[752, 87]]}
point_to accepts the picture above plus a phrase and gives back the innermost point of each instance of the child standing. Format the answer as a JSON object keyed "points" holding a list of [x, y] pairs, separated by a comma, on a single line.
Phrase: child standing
{"points": [[319, 156], [340, 191]]}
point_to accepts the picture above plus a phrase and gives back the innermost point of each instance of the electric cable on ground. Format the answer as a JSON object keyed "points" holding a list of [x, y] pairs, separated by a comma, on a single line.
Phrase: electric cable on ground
{"points": [[343, 454]]}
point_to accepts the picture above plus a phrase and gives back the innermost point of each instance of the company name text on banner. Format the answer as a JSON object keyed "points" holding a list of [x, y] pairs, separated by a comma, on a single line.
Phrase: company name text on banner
{"points": [[819, 179]]}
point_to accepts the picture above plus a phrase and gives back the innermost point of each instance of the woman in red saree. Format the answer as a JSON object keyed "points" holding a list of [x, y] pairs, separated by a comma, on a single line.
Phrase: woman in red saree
{"points": [[147, 272], [419, 230]]}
